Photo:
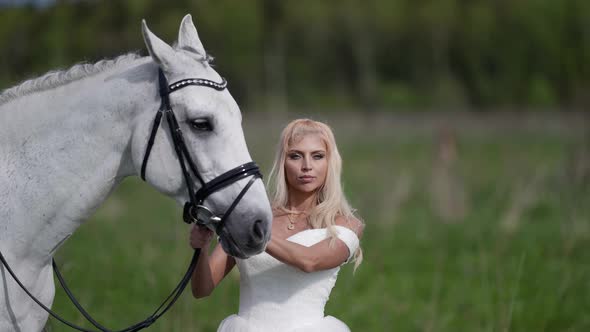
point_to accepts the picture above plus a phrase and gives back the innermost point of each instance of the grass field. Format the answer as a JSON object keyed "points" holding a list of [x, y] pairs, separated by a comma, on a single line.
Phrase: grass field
{"points": [[484, 228]]}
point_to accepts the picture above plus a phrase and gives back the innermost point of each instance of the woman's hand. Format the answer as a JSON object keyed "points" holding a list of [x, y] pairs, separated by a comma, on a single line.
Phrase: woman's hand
{"points": [[200, 236]]}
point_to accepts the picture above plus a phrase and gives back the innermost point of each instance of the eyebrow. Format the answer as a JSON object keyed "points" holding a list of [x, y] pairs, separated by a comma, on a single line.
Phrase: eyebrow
{"points": [[297, 151]]}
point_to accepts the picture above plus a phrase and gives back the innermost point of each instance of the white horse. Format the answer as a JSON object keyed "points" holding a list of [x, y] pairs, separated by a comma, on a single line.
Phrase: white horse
{"points": [[67, 139]]}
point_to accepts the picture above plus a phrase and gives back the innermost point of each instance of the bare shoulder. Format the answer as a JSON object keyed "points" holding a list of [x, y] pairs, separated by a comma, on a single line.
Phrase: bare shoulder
{"points": [[352, 223]]}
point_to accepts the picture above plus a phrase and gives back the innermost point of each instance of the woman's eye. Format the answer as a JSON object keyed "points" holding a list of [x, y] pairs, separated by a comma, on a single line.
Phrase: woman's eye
{"points": [[294, 156], [318, 156], [201, 125]]}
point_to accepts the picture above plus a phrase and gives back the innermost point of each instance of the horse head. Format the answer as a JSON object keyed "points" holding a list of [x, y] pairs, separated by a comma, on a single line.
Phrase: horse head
{"points": [[212, 140]]}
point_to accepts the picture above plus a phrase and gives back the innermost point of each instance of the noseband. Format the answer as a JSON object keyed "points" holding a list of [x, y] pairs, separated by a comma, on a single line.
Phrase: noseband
{"points": [[194, 210]]}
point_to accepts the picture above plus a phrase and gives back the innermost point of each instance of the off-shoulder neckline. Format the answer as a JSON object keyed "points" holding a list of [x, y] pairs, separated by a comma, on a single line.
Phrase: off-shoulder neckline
{"points": [[319, 229]]}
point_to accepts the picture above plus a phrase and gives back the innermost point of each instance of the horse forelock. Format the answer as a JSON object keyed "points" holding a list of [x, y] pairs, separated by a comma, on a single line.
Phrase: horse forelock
{"points": [[58, 78]]}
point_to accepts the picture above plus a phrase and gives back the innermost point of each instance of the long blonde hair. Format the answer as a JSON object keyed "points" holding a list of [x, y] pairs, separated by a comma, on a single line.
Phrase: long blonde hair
{"points": [[330, 200]]}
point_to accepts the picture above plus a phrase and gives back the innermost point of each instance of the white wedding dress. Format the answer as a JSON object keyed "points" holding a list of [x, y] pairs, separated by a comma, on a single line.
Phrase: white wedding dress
{"points": [[275, 297]]}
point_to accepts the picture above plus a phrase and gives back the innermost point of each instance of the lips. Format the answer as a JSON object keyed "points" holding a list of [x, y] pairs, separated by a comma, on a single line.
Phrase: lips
{"points": [[306, 178]]}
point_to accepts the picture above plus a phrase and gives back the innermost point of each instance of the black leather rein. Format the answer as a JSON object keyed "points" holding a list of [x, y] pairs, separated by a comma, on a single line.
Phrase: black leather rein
{"points": [[194, 211]]}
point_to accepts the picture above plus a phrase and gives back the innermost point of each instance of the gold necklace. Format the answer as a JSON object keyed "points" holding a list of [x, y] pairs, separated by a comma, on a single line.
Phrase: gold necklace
{"points": [[291, 225], [293, 217]]}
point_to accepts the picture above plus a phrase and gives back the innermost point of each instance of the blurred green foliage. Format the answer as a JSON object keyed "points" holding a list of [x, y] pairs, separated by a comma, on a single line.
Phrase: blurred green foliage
{"points": [[514, 259], [370, 55]]}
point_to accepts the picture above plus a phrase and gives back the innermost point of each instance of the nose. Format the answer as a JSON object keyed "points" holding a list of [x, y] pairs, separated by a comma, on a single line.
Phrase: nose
{"points": [[257, 233], [306, 165]]}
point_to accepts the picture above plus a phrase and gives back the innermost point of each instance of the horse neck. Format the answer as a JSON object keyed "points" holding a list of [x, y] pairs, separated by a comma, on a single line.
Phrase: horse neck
{"points": [[68, 150]]}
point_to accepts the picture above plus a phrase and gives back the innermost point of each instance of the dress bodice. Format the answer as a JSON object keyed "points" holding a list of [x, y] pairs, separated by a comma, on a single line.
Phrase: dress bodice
{"points": [[278, 297]]}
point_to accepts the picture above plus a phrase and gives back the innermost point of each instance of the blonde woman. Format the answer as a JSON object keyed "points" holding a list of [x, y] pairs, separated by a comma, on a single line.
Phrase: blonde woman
{"points": [[314, 232]]}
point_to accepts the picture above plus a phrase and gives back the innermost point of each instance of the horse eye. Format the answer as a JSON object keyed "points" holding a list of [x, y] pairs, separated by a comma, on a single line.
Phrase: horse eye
{"points": [[201, 125]]}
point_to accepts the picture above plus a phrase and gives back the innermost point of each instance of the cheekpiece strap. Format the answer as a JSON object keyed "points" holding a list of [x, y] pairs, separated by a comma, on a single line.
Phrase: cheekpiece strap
{"points": [[163, 84], [165, 90]]}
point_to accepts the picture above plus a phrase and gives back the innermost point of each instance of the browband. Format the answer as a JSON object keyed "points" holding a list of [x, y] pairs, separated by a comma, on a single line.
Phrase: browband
{"points": [[198, 81]]}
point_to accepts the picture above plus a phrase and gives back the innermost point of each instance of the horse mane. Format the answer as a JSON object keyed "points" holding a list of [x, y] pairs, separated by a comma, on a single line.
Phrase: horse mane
{"points": [[79, 71], [57, 78]]}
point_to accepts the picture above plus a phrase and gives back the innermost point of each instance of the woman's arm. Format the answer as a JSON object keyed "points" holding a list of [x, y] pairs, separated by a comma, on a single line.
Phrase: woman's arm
{"points": [[320, 256], [210, 270]]}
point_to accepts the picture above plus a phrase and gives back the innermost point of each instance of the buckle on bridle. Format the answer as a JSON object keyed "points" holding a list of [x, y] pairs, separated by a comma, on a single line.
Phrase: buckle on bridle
{"points": [[200, 215]]}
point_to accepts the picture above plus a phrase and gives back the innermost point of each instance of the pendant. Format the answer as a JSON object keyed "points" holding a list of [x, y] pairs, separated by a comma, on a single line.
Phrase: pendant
{"points": [[291, 227]]}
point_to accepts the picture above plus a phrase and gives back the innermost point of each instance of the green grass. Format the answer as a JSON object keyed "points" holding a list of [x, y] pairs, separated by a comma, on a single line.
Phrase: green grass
{"points": [[516, 259]]}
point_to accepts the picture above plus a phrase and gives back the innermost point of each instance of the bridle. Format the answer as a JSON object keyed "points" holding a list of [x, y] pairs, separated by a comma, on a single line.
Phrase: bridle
{"points": [[194, 210]]}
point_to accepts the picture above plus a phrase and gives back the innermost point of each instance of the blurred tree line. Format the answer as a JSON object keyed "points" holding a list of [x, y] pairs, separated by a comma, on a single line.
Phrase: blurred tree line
{"points": [[370, 55]]}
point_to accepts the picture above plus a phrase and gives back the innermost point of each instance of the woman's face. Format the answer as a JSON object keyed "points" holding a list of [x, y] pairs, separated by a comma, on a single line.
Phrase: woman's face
{"points": [[306, 164]]}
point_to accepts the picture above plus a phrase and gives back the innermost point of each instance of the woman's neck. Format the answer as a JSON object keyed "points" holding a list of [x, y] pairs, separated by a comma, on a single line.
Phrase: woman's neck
{"points": [[301, 202]]}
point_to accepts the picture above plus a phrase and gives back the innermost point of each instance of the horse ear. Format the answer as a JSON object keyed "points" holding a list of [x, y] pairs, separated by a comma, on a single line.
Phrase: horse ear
{"points": [[188, 37], [161, 52]]}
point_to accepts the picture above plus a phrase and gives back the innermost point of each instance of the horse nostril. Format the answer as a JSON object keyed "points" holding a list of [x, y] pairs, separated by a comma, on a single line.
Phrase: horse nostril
{"points": [[257, 231]]}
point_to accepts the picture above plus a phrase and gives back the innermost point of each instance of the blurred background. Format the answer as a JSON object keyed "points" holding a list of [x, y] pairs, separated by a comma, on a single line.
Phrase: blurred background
{"points": [[464, 128]]}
